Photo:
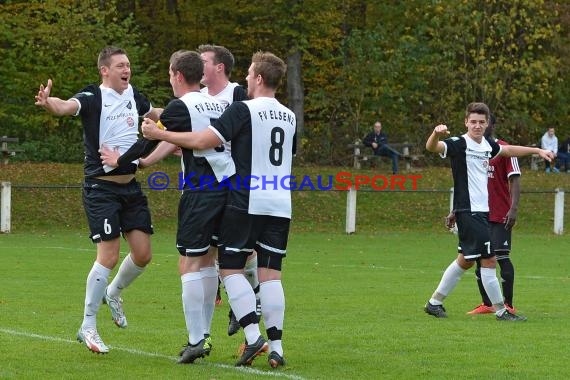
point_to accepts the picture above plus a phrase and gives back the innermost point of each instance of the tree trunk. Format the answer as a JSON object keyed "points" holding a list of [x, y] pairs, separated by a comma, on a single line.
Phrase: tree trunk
{"points": [[295, 92]]}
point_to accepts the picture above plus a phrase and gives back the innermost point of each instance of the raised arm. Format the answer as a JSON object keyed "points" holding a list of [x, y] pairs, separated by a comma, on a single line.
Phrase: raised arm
{"points": [[55, 105], [433, 144]]}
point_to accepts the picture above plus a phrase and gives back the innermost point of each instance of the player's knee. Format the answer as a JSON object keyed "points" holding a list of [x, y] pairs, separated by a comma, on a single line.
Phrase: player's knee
{"points": [[141, 259]]}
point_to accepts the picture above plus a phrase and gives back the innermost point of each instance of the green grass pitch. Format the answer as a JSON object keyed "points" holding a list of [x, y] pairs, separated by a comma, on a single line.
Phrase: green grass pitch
{"points": [[353, 310]]}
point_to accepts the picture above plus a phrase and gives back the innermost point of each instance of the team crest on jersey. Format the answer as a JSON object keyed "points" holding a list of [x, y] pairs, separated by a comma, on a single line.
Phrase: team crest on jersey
{"points": [[130, 121], [129, 105], [485, 164]]}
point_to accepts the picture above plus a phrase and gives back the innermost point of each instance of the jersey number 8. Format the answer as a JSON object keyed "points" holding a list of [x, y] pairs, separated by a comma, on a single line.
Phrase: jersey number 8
{"points": [[276, 149]]}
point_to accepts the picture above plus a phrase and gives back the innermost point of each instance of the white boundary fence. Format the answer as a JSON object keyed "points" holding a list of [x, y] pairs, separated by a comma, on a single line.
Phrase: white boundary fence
{"points": [[351, 210], [5, 206], [351, 195]]}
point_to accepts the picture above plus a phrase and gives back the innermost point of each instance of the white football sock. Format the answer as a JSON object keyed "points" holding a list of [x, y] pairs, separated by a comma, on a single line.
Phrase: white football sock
{"points": [[492, 287], [242, 302], [272, 300], [193, 305], [449, 280], [94, 292], [210, 284], [127, 273]]}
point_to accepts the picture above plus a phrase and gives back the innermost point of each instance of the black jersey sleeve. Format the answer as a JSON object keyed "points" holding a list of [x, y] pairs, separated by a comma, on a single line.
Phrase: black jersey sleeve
{"points": [[175, 117], [88, 98], [294, 147], [495, 147], [234, 118], [139, 149], [143, 104], [240, 93], [454, 145]]}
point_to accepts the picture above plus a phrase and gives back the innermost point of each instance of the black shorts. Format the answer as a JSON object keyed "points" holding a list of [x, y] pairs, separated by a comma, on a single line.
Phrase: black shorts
{"points": [[241, 233], [473, 232], [113, 208], [199, 218], [500, 238]]}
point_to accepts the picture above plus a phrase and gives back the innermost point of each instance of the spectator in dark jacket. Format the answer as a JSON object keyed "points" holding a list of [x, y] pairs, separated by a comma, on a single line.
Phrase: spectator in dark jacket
{"points": [[378, 141], [563, 156]]}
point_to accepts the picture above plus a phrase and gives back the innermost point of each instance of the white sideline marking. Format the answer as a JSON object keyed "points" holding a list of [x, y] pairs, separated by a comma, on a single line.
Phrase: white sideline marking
{"points": [[155, 355]]}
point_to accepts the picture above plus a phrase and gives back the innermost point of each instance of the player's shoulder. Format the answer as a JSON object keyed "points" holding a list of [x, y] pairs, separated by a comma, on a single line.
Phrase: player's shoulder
{"points": [[175, 108], [239, 106], [204, 96], [174, 103], [239, 92], [88, 91], [455, 140]]}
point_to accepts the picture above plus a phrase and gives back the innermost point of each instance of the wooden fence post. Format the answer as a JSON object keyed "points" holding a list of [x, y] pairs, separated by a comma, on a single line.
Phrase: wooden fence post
{"points": [[351, 210], [5, 206], [559, 212]]}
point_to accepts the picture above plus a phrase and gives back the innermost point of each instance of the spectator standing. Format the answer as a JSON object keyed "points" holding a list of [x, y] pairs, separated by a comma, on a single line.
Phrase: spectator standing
{"points": [[549, 141]]}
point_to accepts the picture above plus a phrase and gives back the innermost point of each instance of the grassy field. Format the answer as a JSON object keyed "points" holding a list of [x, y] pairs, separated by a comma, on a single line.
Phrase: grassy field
{"points": [[354, 302], [354, 310]]}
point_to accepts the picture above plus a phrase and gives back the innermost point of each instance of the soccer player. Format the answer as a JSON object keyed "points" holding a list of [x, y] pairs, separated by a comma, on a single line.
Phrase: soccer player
{"points": [[203, 198], [218, 65], [470, 154], [258, 211], [113, 200], [504, 194]]}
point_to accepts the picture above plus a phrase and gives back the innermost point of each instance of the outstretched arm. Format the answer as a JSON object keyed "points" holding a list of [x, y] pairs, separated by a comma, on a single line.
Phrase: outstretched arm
{"points": [[521, 151], [55, 105], [191, 140]]}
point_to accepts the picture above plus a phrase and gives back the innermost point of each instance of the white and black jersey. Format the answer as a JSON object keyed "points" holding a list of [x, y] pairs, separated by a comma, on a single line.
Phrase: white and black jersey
{"points": [[261, 131], [469, 166], [109, 119], [194, 112], [233, 92]]}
